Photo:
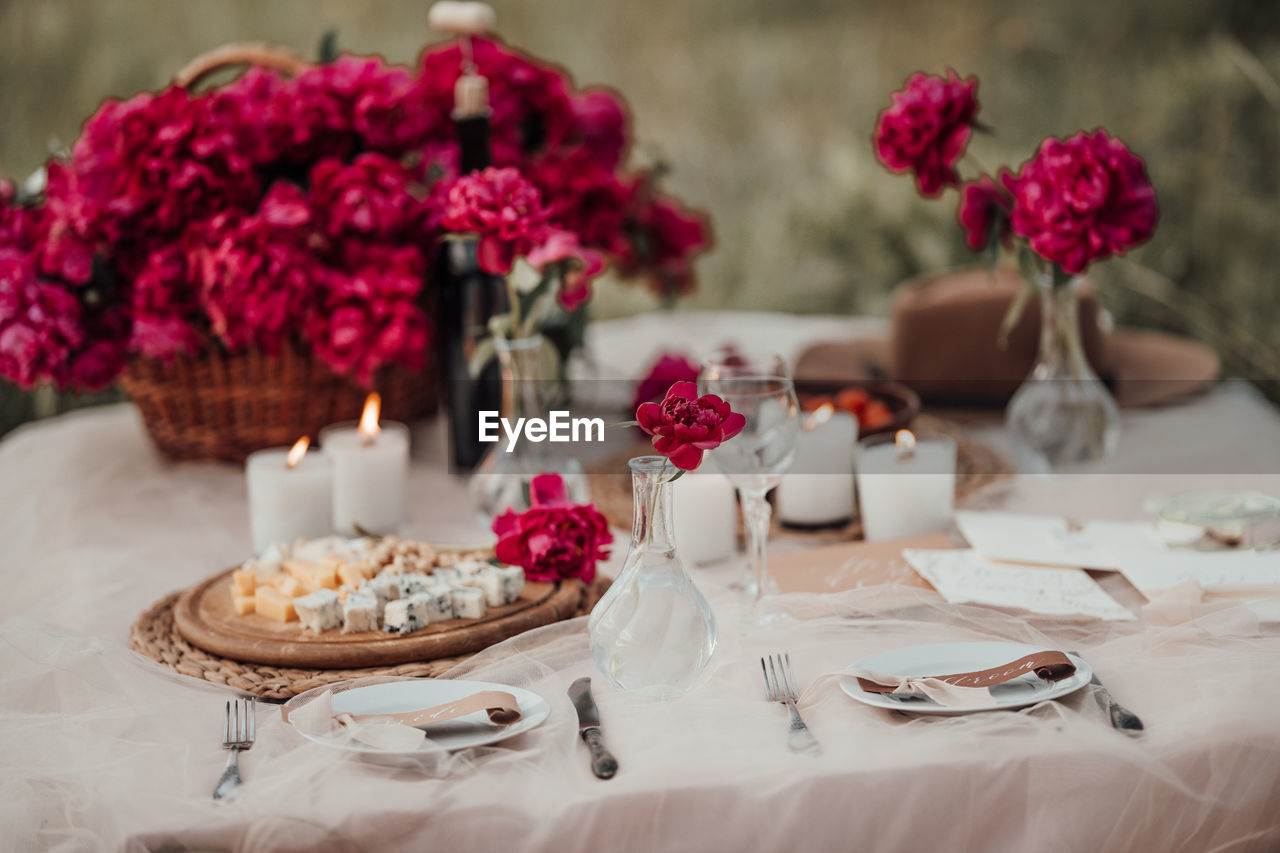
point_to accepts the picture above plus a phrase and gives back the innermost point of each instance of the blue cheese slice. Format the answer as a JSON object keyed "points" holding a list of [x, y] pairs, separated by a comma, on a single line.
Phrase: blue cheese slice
{"points": [[439, 602], [451, 577], [412, 584], [360, 612], [490, 584], [320, 611], [405, 615], [512, 578], [468, 603]]}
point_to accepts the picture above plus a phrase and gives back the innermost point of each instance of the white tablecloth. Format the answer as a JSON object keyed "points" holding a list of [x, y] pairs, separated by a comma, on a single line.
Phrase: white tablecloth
{"points": [[101, 748]]}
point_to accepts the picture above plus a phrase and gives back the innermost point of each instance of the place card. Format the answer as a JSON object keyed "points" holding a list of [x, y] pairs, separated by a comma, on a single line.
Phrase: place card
{"points": [[965, 577], [1153, 570], [1048, 540]]}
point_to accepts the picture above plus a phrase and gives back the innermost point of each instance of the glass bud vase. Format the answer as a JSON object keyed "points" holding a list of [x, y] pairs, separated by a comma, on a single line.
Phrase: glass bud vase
{"points": [[502, 479], [652, 634], [1062, 414]]}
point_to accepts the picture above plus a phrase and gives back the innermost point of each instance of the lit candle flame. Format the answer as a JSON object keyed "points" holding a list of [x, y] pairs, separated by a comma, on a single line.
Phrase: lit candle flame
{"points": [[369, 417], [819, 416], [298, 451], [905, 441]]}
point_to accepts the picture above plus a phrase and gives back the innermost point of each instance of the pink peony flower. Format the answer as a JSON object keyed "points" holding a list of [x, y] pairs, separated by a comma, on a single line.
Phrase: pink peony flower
{"points": [[581, 266], [369, 317], [667, 370], [926, 129], [665, 239], [553, 539], [602, 124], [370, 198], [684, 426], [257, 278], [503, 209], [983, 213], [40, 323], [1082, 199], [165, 306]]}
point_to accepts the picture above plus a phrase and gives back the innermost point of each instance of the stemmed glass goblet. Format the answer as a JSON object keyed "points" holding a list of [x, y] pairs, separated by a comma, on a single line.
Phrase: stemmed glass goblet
{"points": [[760, 388]]}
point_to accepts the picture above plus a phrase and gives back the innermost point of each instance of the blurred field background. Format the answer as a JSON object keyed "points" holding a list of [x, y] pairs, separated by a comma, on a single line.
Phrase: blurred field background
{"points": [[764, 112]]}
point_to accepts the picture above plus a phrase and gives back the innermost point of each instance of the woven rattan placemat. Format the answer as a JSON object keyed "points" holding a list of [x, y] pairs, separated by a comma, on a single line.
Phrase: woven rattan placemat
{"points": [[155, 636]]}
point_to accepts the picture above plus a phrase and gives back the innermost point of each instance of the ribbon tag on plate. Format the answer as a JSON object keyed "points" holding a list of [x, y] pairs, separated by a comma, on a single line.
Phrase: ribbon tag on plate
{"points": [[502, 708], [966, 689]]}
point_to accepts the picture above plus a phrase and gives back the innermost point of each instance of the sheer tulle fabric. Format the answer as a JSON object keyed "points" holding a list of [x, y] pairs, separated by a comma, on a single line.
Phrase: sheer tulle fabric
{"points": [[102, 749]]}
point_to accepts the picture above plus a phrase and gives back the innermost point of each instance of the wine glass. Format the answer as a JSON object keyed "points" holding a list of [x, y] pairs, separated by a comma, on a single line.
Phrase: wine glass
{"points": [[758, 387]]}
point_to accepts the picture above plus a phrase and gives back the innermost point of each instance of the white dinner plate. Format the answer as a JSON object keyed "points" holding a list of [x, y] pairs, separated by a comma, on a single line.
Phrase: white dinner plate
{"points": [[394, 697], [948, 658]]}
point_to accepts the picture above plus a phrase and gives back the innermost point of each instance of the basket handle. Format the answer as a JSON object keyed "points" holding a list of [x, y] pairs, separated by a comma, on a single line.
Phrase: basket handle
{"points": [[240, 53]]}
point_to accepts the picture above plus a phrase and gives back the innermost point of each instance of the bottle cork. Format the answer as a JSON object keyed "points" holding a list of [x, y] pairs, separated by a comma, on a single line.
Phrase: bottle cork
{"points": [[470, 96], [461, 18]]}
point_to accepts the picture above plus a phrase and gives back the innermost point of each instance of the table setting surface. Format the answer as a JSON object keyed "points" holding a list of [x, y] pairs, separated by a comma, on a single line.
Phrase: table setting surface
{"points": [[97, 527]]}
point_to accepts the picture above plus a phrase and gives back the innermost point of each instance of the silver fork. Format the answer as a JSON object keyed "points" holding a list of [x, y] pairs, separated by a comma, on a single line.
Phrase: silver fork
{"points": [[238, 733], [780, 686]]}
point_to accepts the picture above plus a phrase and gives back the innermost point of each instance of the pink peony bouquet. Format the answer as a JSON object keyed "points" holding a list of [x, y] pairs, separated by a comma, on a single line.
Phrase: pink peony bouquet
{"points": [[303, 212], [1076, 201]]}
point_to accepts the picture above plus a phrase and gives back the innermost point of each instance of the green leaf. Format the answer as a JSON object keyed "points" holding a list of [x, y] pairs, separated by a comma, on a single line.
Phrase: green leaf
{"points": [[327, 51], [485, 352]]}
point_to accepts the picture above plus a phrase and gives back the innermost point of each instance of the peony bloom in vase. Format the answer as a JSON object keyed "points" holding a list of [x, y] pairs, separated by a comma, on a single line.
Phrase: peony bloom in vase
{"points": [[1077, 201]]}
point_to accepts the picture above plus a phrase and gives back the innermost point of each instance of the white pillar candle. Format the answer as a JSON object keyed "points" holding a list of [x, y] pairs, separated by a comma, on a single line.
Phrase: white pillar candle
{"points": [[290, 495], [370, 473], [706, 516], [818, 490], [905, 487]]}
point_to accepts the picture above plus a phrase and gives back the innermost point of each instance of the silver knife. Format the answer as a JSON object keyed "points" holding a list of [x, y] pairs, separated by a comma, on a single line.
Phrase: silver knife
{"points": [[1122, 719], [603, 764]]}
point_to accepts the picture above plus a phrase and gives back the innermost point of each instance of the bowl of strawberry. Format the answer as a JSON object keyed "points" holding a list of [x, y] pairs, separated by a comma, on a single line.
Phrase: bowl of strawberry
{"points": [[879, 406]]}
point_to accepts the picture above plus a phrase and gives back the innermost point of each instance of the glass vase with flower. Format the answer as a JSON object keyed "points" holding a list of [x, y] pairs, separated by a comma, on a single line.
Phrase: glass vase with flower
{"points": [[1077, 201], [653, 633]]}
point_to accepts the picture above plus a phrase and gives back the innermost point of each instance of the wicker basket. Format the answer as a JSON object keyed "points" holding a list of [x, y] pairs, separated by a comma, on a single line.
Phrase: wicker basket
{"points": [[226, 406], [220, 406]]}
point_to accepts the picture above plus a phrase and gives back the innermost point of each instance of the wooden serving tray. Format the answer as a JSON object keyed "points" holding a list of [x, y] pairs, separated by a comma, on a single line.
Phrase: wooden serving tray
{"points": [[204, 617]]}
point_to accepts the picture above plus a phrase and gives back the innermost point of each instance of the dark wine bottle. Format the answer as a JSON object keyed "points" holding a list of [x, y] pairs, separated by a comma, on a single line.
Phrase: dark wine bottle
{"points": [[468, 296]]}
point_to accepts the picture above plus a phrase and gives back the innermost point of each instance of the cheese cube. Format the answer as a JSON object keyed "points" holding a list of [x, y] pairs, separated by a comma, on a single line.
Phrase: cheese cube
{"points": [[243, 582], [360, 612], [273, 604], [488, 583], [312, 576], [469, 568], [468, 603], [512, 578], [350, 574], [412, 584], [320, 611], [405, 615], [287, 585], [242, 603], [451, 577], [439, 602]]}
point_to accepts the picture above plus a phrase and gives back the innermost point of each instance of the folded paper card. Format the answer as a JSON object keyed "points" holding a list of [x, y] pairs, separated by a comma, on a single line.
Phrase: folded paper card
{"points": [[963, 576], [1155, 569], [1049, 540]]}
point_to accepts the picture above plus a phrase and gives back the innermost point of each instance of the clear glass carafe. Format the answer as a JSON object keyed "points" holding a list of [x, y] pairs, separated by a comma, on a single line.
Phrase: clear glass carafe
{"points": [[653, 633], [1062, 414]]}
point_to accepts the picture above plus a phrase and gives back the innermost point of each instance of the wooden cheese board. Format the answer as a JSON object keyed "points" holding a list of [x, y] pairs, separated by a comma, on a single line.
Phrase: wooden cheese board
{"points": [[205, 617]]}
